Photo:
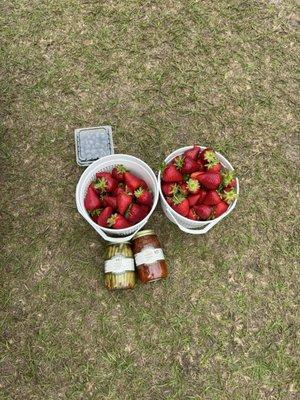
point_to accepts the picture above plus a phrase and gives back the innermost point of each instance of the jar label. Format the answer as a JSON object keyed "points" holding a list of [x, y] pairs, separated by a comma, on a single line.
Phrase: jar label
{"points": [[119, 264], [148, 256]]}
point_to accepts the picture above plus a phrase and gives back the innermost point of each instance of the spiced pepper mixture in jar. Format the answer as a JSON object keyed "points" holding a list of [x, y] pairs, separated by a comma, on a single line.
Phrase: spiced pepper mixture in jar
{"points": [[149, 257]]}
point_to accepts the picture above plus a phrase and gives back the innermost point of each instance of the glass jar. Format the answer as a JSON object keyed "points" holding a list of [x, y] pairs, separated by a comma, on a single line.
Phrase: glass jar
{"points": [[149, 256], [119, 267]]}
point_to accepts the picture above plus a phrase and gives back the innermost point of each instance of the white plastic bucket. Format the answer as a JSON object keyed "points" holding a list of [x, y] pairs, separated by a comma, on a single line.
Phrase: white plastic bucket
{"points": [[185, 224], [134, 165]]}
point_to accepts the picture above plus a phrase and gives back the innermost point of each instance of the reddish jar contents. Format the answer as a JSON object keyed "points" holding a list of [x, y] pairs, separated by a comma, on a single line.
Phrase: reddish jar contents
{"points": [[149, 257]]}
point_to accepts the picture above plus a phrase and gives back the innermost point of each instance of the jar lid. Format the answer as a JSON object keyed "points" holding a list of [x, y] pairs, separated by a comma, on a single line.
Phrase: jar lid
{"points": [[146, 232], [117, 244]]}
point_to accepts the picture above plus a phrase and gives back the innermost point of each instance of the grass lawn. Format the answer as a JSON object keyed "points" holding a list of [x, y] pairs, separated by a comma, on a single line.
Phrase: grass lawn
{"points": [[164, 74]]}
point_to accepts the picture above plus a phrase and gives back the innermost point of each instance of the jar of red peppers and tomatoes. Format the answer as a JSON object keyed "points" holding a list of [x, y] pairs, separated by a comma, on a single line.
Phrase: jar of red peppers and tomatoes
{"points": [[149, 257]]}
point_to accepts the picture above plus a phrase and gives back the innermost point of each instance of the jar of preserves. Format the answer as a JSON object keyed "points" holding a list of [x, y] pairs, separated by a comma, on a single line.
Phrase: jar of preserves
{"points": [[149, 256], [119, 267]]}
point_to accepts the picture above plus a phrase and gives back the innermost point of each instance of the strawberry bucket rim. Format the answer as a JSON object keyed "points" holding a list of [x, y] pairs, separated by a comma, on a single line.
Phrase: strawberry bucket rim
{"points": [[89, 171], [178, 152]]}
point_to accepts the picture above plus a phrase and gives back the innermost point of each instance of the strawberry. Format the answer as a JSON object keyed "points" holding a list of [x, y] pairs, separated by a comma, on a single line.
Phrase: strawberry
{"points": [[91, 200], [193, 153], [219, 209], [119, 190], [136, 212], [180, 204], [193, 199], [200, 165], [110, 201], [143, 196], [133, 182], [206, 154], [210, 181], [103, 217], [105, 184], [100, 175], [228, 180], [95, 213], [118, 172], [186, 165], [117, 221], [212, 198], [229, 195], [169, 188], [193, 215], [183, 188], [214, 168], [197, 174], [123, 202], [122, 189], [202, 195], [203, 211], [171, 174], [211, 161], [193, 186]]}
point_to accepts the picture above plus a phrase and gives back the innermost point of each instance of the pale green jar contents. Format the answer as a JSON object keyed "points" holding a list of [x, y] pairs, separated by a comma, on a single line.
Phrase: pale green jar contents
{"points": [[119, 267]]}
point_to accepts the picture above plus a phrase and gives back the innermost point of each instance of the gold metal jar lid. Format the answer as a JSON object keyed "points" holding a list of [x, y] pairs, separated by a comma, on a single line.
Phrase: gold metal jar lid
{"points": [[116, 244], [146, 232]]}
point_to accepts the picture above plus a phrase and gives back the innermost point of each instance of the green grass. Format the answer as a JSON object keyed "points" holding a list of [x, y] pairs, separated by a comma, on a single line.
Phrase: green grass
{"points": [[164, 74]]}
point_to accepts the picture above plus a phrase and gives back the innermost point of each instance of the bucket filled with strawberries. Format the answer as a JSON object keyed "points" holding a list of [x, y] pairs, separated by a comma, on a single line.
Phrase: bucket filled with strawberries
{"points": [[198, 188], [116, 195]]}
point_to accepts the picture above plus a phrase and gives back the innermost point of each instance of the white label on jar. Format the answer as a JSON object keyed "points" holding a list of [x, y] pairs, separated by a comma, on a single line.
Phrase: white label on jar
{"points": [[119, 264], [148, 256]]}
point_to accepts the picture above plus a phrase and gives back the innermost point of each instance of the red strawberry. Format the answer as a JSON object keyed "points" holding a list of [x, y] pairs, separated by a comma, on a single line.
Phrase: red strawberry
{"points": [[169, 188], [105, 184], [206, 153], [100, 175], [228, 179], [133, 182], [171, 174], [95, 213], [110, 201], [145, 208], [186, 165], [118, 172], [193, 186], [193, 199], [183, 188], [193, 215], [200, 165], [212, 198], [219, 209], [215, 168], [229, 195], [136, 212], [231, 185], [117, 221], [197, 174], [202, 195], [192, 153], [210, 181], [203, 211], [103, 217], [143, 196], [181, 205], [210, 161], [119, 190], [123, 202], [91, 200]]}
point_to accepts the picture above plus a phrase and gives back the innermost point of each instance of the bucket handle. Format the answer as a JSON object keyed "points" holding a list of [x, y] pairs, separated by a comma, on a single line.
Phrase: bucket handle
{"points": [[119, 239], [199, 231]]}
